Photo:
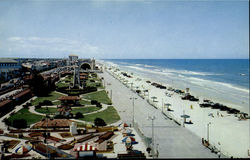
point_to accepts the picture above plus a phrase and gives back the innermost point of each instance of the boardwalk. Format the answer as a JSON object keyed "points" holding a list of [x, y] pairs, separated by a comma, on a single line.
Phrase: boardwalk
{"points": [[174, 141]]}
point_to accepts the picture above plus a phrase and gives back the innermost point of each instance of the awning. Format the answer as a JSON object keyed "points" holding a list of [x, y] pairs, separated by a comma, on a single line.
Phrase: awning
{"points": [[85, 147], [128, 139], [21, 149]]}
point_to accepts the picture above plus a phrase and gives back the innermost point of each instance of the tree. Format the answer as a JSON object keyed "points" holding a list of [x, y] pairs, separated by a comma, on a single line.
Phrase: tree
{"points": [[19, 123], [38, 85], [93, 102], [78, 115], [99, 122], [98, 104]]}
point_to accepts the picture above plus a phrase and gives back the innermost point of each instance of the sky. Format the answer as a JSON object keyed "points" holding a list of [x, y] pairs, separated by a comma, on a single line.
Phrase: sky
{"points": [[138, 29]]}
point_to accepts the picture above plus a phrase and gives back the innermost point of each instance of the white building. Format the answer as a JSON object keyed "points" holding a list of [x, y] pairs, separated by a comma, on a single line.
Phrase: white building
{"points": [[73, 57], [9, 68], [73, 128]]}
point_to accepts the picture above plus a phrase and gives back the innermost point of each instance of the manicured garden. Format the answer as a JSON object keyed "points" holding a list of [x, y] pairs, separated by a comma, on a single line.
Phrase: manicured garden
{"points": [[109, 115], [46, 110], [25, 114], [52, 96], [100, 96], [84, 110]]}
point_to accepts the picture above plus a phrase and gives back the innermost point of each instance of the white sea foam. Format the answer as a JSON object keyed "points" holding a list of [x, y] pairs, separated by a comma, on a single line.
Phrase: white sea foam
{"points": [[148, 66], [206, 82], [185, 72]]}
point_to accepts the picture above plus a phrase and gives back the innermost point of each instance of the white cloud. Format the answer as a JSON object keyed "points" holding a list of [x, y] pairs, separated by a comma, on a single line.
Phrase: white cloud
{"points": [[50, 45]]}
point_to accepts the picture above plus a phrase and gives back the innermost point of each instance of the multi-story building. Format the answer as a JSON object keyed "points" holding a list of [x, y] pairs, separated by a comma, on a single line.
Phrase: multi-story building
{"points": [[9, 68]]}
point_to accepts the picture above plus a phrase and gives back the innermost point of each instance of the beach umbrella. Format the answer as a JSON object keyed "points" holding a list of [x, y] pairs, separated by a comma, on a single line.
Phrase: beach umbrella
{"points": [[21, 149], [185, 117], [154, 98], [85, 147], [168, 104], [128, 139]]}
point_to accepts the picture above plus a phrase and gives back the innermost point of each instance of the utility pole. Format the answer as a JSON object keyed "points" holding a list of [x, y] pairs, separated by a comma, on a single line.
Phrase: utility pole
{"points": [[208, 131], [111, 94], [133, 103], [152, 118]]}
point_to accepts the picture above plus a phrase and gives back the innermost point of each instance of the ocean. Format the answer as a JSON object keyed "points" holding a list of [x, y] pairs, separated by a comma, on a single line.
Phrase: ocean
{"points": [[222, 80]]}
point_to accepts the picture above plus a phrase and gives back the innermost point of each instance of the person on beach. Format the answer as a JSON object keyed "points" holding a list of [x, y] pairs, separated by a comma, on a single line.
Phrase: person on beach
{"points": [[219, 154]]}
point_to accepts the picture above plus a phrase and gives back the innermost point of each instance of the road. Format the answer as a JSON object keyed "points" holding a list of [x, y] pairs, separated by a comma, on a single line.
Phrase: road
{"points": [[174, 141]]}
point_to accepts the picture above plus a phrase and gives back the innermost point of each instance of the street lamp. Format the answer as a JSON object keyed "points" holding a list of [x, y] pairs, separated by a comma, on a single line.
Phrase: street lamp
{"points": [[133, 120], [111, 94], [152, 118], [208, 131]]}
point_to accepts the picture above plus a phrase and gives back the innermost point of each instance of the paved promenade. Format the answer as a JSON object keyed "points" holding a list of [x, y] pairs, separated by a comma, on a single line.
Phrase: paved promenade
{"points": [[174, 141]]}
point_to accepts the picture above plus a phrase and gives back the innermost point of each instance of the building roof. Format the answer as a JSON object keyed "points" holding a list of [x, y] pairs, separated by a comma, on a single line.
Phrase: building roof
{"points": [[74, 55], [7, 60], [69, 98], [24, 92], [54, 123], [3, 103]]}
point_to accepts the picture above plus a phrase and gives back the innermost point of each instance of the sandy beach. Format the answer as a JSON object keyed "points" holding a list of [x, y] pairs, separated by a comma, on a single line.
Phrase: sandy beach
{"points": [[226, 132]]}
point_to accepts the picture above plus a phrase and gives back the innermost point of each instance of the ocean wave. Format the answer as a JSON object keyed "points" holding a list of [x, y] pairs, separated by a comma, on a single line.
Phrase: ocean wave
{"points": [[218, 84], [185, 72], [149, 70], [148, 66]]}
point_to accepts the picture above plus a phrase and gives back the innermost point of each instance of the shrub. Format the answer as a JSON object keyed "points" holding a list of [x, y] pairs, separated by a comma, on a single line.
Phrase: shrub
{"points": [[47, 103], [59, 116], [94, 102], [79, 115], [99, 122], [38, 106], [25, 106], [19, 123], [98, 105], [6, 121]]}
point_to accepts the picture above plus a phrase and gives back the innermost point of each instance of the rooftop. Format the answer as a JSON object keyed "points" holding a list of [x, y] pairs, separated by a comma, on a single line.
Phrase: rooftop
{"points": [[73, 55], [7, 60], [59, 123], [69, 98]]}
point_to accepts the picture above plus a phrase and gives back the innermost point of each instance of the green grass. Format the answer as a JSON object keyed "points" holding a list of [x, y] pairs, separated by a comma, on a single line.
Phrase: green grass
{"points": [[84, 102], [52, 96], [109, 115], [45, 111], [25, 114], [84, 110], [57, 103], [62, 85], [100, 96]]}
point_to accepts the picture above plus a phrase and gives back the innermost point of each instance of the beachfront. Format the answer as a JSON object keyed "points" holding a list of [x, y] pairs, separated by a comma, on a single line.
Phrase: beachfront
{"points": [[227, 133]]}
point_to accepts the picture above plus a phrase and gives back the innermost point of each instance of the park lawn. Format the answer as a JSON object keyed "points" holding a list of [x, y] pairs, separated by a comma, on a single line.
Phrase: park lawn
{"points": [[25, 114], [100, 96], [84, 102], [84, 110], [57, 103], [90, 84], [109, 115], [45, 111], [68, 79], [51, 97], [62, 85]]}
